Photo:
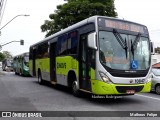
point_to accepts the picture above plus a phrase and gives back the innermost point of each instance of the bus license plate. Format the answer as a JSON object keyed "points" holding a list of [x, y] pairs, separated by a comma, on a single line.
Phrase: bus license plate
{"points": [[130, 91]]}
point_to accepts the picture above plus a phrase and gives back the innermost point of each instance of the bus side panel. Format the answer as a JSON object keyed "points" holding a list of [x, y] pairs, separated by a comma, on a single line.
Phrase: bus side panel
{"points": [[65, 64], [44, 67], [147, 87], [31, 67], [20, 66]]}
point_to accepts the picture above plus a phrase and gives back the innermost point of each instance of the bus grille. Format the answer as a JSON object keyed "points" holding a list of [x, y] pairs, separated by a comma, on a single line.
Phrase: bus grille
{"points": [[123, 89]]}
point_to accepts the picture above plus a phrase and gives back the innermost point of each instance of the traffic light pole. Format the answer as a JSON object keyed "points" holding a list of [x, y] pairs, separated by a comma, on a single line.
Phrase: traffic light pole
{"points": [[9, 43], [21, 43]]}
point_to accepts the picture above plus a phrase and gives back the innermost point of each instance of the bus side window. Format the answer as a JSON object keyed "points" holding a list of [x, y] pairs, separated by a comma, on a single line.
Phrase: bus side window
{"points": [[72, 42], [42, 51], [62, 45]]}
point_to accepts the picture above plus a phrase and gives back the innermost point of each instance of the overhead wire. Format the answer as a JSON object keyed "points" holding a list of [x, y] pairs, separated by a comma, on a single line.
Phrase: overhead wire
{"points": [[2, 9]]}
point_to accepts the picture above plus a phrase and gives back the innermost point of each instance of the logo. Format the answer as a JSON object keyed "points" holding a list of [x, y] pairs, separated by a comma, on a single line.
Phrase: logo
{"points": [[139, 80], [131, 81], [21, 114], [6, 114], [61, 65], [134, 64]]}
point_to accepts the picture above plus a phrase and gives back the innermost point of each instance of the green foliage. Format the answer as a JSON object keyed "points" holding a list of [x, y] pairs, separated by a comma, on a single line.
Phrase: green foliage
{"points": [[7, 54], [2, 56], [77, 10]]}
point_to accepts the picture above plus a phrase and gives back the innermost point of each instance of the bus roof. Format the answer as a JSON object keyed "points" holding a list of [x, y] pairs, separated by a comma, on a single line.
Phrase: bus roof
{"points": [[92, 19], [22, 54]]}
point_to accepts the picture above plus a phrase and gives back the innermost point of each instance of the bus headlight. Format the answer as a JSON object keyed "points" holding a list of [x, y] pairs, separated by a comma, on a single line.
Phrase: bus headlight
{"points": [[104, 77]]}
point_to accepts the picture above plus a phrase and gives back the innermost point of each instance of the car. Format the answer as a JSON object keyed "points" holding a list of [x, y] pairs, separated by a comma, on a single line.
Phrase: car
{"points": [[155, 80], [7, 65]]}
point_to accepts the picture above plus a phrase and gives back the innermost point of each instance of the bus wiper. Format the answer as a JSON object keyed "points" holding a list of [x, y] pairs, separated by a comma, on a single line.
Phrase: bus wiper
{"points": [[121, 41], [132, 49], [134, 44]]}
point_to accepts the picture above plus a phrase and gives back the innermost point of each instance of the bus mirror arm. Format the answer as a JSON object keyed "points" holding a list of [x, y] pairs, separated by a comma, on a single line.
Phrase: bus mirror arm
{"points": [[92, 41], [152, 48]]}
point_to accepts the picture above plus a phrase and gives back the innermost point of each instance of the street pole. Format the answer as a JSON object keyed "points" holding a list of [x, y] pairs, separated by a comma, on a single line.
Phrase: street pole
{"points": [[21, 43], [12, 20]]}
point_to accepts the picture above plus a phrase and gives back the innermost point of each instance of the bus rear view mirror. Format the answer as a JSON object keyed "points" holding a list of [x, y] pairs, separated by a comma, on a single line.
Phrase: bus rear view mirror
{"points": [[92, 41], [152, 48]]}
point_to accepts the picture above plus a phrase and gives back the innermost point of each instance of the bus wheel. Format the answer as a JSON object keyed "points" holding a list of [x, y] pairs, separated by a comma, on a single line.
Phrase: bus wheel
{"points": [[40, 80], [158, 89], [75, 89], [20, 73]]}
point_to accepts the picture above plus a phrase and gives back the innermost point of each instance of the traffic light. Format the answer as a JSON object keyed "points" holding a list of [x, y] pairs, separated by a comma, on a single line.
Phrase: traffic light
{"points": [[21, 42]]}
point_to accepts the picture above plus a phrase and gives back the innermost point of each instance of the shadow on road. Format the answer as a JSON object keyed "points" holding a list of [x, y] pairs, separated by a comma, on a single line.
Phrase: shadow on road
{"points": [[97, 99]]}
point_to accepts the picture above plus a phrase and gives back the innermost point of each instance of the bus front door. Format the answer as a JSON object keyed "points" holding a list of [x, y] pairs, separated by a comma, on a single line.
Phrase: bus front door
{"points": [[52, 54], [84, 65]]}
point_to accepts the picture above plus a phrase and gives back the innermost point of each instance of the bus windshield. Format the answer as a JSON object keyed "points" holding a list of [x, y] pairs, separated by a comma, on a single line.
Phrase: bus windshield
{"points": [[114, 56], [26, 59]]}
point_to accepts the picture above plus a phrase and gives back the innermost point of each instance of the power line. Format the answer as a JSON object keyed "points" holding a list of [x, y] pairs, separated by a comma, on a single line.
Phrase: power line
{"points": [[3, 6]]}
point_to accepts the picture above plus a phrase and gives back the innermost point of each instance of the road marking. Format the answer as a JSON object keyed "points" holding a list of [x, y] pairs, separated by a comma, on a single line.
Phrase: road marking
{"points": [[147, 97]]}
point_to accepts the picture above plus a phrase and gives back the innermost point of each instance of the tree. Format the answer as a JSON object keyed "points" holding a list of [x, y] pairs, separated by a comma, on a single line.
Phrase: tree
{"points": [[7, 54], [2, 56], [76, 10]]}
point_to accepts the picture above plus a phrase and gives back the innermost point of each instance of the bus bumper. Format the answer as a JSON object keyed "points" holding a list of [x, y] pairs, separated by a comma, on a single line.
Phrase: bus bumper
{"points": [[101, 88]]}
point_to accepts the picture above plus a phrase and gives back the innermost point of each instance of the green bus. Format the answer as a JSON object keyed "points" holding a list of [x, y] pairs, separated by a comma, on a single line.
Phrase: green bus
{"points": [[21, 64], [99, 55]]}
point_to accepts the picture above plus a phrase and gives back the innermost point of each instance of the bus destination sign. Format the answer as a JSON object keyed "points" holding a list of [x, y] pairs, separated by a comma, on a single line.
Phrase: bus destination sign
{"points": [[122, 25]]}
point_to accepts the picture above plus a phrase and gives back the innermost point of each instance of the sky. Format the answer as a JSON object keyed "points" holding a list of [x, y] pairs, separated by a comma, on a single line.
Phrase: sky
{"points": [[28, 28]]}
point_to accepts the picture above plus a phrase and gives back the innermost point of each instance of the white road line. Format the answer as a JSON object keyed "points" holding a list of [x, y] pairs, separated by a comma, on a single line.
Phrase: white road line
{"points": [[148, 97]]}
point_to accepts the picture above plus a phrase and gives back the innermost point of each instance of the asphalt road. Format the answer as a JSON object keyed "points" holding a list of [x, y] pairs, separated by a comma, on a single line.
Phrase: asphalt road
{"points": [[25, 94]]}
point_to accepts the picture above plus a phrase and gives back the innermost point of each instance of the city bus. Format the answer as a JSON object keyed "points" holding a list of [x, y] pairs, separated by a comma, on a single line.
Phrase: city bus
{"points": [[99, 55], [21, 64]]}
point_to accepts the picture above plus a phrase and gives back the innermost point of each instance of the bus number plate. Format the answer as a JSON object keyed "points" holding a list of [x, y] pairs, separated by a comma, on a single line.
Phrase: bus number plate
{"points": [[130, 91]]}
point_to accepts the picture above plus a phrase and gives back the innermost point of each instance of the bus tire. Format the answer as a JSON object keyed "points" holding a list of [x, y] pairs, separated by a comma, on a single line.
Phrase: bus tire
{"points": [[20, 73], [40, 80], [75, 89], [157, 89]]}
